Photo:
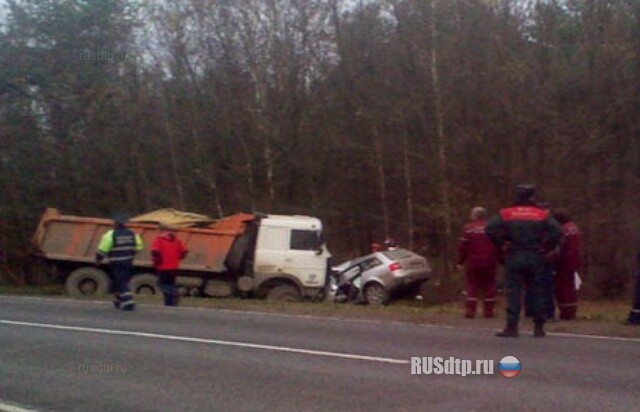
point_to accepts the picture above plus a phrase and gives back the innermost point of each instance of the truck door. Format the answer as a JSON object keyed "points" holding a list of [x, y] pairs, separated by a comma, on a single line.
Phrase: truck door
{"points": [[272, 243], [302, 258]]}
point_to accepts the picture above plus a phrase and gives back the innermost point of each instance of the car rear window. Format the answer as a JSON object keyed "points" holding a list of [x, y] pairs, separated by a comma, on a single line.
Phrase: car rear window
{"points": [[398, 254], [370, 263]]}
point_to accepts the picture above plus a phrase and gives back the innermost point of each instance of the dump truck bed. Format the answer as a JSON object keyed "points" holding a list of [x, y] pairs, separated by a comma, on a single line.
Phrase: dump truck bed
{"points": [[75, 239]]}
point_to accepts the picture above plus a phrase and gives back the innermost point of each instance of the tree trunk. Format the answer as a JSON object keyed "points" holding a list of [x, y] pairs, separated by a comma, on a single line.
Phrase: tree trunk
{"points": [[441, 140], [409, 186], [382, 179], [173, 156]]}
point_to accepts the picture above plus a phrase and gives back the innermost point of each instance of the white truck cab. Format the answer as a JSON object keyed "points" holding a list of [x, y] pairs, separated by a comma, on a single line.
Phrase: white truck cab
{"points": [[292, 247]]}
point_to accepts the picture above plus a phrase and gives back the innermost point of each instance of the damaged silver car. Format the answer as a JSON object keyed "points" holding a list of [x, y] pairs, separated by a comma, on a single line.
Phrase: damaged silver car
{"points": [[379, 277]]}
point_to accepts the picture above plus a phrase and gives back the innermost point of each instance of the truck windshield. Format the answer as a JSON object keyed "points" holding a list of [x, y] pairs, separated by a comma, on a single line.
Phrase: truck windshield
{"points": [[305, 240]]}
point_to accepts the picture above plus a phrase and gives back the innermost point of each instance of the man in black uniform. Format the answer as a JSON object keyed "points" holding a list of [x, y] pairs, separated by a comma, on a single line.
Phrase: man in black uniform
{"points": [[634, 315], [552, 255], [525, 233]]}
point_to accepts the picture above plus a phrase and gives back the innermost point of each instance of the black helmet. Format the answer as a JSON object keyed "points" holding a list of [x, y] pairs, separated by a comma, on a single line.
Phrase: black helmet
{"points": [[120, 217], [561, 215], [525, 192], [544, 205]]}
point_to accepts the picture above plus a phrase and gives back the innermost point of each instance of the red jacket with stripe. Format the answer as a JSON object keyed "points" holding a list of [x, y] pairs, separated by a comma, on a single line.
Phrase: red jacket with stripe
{"points": [[570, 259], [524, 228], [475, 249]]}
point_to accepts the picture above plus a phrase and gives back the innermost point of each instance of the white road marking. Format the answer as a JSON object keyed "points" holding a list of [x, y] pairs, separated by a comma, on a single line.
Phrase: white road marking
{"points": [[325, 318], [208, 341], [8, 407]]}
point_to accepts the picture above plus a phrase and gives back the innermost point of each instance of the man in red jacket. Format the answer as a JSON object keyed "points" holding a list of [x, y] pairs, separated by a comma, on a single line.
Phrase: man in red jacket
{"points": [[480, 257], [167, 251], [568, 262]]}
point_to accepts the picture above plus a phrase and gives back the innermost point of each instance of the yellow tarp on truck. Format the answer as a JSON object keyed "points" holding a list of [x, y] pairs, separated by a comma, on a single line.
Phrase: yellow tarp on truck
{"points": [[174, 218]]}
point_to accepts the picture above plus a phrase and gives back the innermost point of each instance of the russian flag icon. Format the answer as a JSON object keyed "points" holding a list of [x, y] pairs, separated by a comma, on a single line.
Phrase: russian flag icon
{"points": [[509, 366]]}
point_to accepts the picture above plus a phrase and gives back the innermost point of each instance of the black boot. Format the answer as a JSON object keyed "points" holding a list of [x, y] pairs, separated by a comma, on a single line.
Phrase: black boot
{"points": [[175, 298], [634, 317], [116, 301], [538, 330], [129, 306], [511, 331]]}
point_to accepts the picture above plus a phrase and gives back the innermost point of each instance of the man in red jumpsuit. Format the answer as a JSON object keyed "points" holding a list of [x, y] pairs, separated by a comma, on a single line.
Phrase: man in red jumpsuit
{"points": [[568, 262], [480, 257]]}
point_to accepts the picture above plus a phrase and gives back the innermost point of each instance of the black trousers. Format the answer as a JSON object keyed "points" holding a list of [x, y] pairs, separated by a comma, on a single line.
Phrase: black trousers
{"points": [[525, 267], [121, 275], [167, 284], [634, 315]]}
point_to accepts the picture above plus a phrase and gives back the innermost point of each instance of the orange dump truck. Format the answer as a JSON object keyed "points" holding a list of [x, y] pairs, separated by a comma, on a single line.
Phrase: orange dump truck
{"points": [[274, 256]]}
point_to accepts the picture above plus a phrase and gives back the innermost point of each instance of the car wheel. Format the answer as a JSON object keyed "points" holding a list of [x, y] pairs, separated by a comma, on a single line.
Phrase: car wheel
{"points": [[376, 294], [284, 293], [87, 281]]}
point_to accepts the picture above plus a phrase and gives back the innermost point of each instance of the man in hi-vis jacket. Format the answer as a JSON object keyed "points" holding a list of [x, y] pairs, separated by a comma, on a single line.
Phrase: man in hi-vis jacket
{"points": [[120, 245]]}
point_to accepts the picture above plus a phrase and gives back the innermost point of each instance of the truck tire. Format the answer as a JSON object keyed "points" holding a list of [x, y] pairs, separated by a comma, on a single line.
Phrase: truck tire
{"points": [[88, 281], [375, 294], [144, 284], [284, 293], [245, 284]]}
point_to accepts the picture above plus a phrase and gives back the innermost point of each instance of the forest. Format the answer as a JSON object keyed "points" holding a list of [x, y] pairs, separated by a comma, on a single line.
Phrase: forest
{"points": [[384, 118]]}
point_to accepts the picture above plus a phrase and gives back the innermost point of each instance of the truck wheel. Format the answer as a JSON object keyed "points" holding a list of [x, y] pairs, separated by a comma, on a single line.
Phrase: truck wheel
{"points": [[376, 294], [88, 281], [284, 293], [144, 284]]}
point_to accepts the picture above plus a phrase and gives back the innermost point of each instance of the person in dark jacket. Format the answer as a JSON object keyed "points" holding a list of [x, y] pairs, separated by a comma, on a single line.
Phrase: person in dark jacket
{"points": [[567, 264], [549, 306], [119, 246], [634, 315], [525, 233], [480, 257], [167, 251]]}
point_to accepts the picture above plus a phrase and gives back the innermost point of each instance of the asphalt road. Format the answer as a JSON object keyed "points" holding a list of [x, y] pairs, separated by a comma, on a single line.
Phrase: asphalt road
{"points": [[66, 355]]}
